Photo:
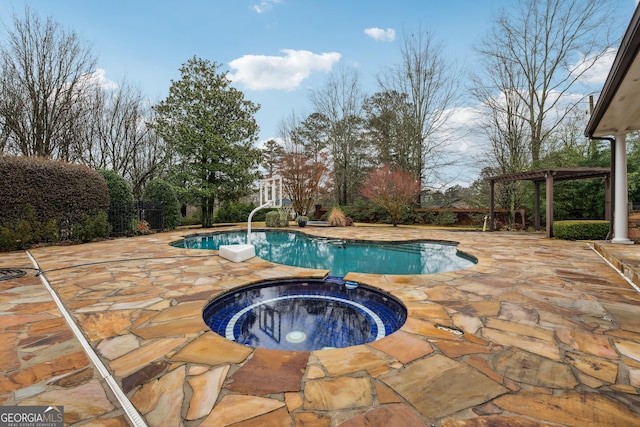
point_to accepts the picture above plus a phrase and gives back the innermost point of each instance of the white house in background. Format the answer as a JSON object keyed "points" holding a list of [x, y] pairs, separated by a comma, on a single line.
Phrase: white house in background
{"points": [[617, 113]]}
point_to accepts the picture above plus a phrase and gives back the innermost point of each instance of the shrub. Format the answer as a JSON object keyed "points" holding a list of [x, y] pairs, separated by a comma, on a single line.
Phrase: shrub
{"points": [[445, 218], [260, 215], [277, 218], [362, 210], [92, 227], [46, 199], [139, 227], [238, 212], [337, 217], [581, 230], [8, 239], [160, 191], [272, 219], [120, 200], [20, 237], [193, 219], [119, 188]]}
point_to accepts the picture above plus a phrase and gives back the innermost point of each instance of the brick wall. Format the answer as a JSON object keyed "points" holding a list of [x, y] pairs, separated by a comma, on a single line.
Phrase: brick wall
{"points": [[634, 226]]}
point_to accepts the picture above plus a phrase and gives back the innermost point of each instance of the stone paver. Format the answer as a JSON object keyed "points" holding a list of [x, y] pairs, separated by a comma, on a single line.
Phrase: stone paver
{"points": [[540, 332], [270, 372], [438, 386], [41, 362]]}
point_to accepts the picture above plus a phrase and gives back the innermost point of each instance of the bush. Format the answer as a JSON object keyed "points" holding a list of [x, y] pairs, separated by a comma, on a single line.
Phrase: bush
{"points": [[362, 210], [23, 235], [238, 212], [277, 218], [581, 230], [120, 197], [337, 217], [159, 191], [139, 228], [119, 188], [193, 219], [92, 227], [260, 215], [445, 218], [46, 199]]}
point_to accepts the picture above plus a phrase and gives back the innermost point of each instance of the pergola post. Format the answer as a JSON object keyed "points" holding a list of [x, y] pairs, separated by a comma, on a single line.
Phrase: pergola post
{"points": [[536, 202], [607, 198], [549, 196], [491, 201]]}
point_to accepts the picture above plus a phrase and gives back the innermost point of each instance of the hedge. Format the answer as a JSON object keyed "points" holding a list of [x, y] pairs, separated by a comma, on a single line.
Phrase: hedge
{"points": [[581, 230], [43, 200]]}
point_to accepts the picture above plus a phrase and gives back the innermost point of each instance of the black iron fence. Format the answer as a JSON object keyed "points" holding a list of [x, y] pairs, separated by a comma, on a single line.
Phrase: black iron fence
{"points": [[136, 217]]}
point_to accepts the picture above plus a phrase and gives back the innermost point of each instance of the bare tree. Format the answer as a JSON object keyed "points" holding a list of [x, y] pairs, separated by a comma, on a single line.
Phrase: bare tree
{"points": [[502, 116], [340, 103], [305, 172], [44, 71], [429, 85], [503, 121], [392, 190], [544, 48], [150, 160]]}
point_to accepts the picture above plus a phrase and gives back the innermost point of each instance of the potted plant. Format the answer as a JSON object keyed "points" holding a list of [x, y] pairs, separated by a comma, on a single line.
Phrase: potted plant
{"points": [[302, 220]]}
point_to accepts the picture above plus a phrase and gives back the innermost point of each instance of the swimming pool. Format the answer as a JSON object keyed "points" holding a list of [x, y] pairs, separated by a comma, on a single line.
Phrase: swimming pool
{"points": [[338, 255], [305, 314]]}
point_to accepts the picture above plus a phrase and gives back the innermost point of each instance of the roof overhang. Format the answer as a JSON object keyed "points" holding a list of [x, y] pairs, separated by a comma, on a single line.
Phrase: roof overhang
{"points": [[618, 108]]}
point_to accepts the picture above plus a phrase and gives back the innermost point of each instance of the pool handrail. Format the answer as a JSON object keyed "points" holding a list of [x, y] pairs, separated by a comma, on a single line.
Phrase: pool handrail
{"points": [[265, 205]]}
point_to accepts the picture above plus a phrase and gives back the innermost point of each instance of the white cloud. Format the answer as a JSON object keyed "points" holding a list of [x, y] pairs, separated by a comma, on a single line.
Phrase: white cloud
{"points": [[598, 73], [98, 77], [380, 34], [265, 5], [262, 72]]}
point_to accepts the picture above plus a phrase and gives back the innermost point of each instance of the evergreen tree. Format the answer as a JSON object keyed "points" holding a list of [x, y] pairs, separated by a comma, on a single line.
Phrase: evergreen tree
{"points": [[212, 130]]}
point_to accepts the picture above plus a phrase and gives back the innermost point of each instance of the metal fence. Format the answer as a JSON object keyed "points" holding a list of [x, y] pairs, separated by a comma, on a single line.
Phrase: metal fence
{"points": [[125, 217]]}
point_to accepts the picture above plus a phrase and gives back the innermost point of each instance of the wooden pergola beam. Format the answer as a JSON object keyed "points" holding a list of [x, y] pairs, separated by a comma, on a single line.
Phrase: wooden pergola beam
{"points": [[549, 176]]}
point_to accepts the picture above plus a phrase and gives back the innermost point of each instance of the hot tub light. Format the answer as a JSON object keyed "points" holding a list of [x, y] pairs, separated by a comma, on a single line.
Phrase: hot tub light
{"points": [[296, 337]]}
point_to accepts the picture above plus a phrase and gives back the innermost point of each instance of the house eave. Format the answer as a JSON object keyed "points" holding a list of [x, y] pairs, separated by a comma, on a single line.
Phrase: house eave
{"points": [[625, 71]]}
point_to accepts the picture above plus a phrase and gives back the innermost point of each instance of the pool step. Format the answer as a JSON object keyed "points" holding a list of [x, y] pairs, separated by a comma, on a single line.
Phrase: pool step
{"points": [[411, 248]]}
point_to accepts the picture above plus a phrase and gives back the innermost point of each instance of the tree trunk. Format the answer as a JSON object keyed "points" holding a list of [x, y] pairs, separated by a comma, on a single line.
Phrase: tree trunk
{"points": [[207, 211]]}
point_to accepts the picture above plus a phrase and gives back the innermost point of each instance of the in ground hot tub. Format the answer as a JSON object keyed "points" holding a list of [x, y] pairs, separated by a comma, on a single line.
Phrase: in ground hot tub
{"points": [[305, 315]]}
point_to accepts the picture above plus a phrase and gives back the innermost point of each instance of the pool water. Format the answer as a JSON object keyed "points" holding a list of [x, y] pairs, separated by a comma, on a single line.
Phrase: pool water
{"points": [[341, 256], [305, 315]]}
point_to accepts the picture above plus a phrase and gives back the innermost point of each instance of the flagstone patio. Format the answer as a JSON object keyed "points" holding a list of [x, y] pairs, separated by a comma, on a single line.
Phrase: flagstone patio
{"points": [[541, 332]]}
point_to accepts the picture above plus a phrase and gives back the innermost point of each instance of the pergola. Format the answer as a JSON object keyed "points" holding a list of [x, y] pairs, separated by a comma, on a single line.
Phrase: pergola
{"points": [[549, 176]]}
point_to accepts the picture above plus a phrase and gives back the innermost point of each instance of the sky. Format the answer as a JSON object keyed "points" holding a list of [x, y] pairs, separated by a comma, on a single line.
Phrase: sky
{"points": [[277, 51]]}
